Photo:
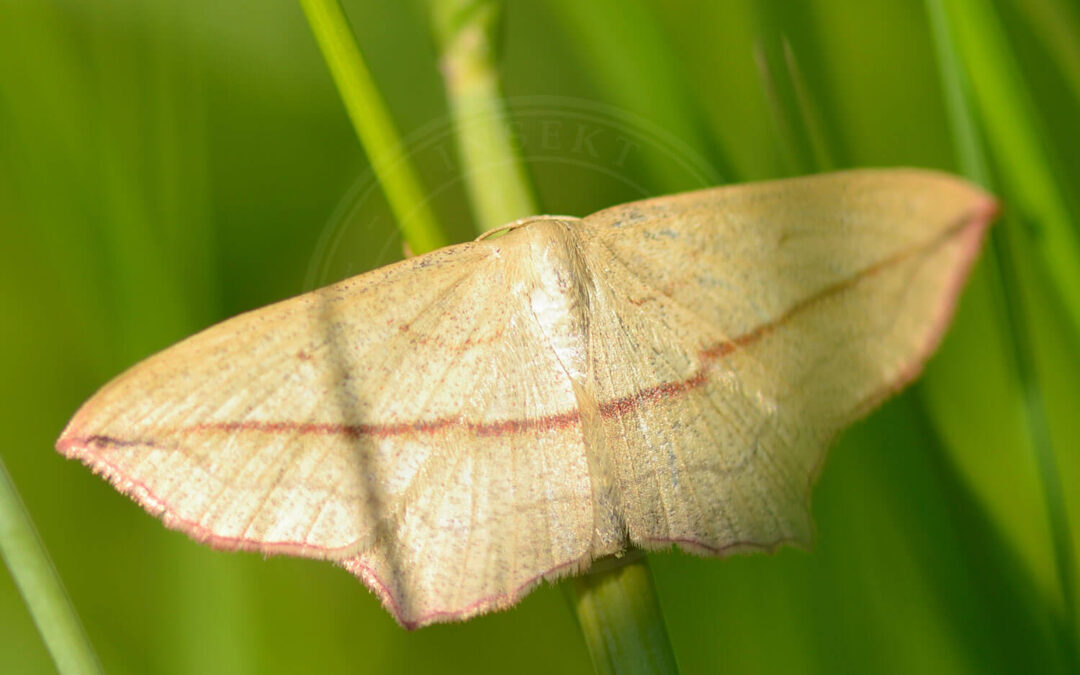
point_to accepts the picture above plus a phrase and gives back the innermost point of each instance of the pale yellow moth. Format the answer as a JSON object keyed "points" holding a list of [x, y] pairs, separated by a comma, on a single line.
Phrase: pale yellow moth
{"points": [[456, 427]]}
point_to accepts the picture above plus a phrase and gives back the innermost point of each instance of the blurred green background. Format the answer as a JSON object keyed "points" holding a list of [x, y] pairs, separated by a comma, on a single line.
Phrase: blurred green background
{"points": [[166, 164]]}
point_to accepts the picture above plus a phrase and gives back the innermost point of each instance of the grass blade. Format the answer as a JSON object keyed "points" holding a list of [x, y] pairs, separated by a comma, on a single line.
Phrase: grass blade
{"points": [[801, 134], [373, 125], [497, 183], [616, 604], [974, 163], [1021, 154], [820, 150], [620, 44], [40, 585], [800, 128], [1057, 23], [793, 153], [620, 617]]}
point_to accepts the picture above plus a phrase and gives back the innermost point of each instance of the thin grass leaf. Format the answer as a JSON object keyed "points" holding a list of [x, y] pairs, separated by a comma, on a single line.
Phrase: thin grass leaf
{"points": [[791, 130], [498, 185], [143, 269], [821, 146], [40, 586], [616, 603], [974, 162], [373, 125], [797, 116], [1057, 23], [1020, 149], [987, 598], [179, 175], [803, 132], [800, 130], [792, 152], [620, 44], [1018, 318], [109, 157], [621, 619]]}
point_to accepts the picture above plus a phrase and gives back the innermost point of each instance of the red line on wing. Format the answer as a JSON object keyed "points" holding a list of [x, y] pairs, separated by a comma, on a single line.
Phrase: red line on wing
{"points": [[609, 409]]}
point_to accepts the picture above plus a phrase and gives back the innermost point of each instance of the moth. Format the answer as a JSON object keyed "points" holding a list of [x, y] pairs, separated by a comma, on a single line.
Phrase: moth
{"points": [[459, 426]]}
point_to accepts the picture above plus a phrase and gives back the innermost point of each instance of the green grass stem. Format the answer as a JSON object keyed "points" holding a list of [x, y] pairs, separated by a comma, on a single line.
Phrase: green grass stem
{"points": [[999, 93], [820, 148], [622, 47], [1057, 23], [373, 125], [620, 617], [40, 585], [498, 185], [794, 158], [615, 604], [497, 182], [804, 145], [974, 163]]}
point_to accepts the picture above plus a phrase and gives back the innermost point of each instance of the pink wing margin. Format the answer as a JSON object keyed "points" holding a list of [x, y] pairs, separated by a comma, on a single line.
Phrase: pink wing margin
{"points": [[76, 443]]}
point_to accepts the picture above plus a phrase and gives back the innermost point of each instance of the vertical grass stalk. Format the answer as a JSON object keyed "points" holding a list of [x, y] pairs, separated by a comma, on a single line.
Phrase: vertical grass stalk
{"points": [[787, 98], [800, 130], [497, 182], [821, 152], [616, 602], [1057, 24], [620, 617], [974, 163], [40, 585], [622, 47], [793, 161], [999, 94], [373, 125]]}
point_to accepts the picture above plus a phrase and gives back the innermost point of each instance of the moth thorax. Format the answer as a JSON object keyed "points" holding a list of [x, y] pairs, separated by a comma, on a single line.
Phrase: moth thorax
{"points": [[560, 295]]}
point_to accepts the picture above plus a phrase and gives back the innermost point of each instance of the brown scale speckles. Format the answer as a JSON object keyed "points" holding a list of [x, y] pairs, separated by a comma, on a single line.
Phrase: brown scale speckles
{"points": [[471, 342], [610, 409], [72, 443], [505, 427], [627, 404], [719, 351], [488, 453], [109, 441], [460, 346]]}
